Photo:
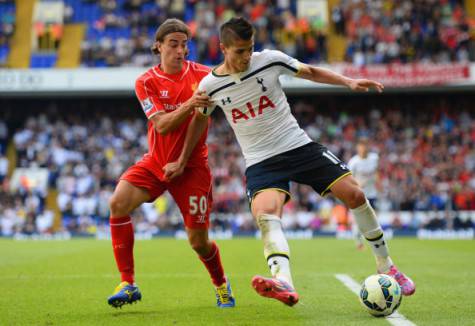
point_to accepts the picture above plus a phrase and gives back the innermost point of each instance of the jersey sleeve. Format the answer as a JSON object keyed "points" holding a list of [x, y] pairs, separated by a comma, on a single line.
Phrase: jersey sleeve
{"points": [[149, 101], [203, 86], [286, 64]]}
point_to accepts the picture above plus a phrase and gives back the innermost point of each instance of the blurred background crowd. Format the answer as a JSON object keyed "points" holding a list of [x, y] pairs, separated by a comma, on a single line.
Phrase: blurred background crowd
{"points": [[405, 31], [378, 31], [121, 32], [426, 168]]}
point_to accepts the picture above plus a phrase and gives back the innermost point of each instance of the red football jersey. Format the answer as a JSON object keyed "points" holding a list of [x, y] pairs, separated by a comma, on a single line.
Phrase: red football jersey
{"points": [[158, 91]]}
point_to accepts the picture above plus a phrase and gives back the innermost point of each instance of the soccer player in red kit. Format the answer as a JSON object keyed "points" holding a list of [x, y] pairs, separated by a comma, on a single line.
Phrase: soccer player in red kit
{"points": [[168, 98]]}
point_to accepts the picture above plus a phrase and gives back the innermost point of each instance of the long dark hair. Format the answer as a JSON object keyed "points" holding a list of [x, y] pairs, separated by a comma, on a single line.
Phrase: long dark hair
{"points": [[171, 25]]}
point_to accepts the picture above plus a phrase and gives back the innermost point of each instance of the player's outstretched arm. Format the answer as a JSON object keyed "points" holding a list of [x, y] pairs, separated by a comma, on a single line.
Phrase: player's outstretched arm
{"points": [[193, 134], [325, 76], [167, 122]]}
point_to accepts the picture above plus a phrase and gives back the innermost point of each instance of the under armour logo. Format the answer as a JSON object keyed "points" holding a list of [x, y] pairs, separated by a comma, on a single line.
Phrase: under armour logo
{"points": [[344, 166], [227, 100], [261, 82]]}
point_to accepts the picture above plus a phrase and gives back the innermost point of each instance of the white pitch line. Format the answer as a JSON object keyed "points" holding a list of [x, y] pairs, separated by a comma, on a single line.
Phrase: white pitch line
{"points": [[395, 319]]}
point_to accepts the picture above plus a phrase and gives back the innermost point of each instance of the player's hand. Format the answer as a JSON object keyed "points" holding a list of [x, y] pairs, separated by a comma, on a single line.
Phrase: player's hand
{"points": [[199, 100], [173, 170], [364, 85]]}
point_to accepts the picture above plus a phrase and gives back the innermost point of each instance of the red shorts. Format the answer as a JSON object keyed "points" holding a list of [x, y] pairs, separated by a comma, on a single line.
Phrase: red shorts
{"points": [[192, 191]]}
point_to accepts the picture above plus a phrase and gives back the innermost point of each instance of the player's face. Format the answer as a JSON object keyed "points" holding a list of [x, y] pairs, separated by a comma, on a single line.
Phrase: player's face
{"points": [[362, 150], [238, 54], [173, 50]]}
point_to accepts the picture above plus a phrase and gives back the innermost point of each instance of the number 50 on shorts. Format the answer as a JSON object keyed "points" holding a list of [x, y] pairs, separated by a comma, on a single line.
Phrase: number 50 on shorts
{"points": [[198, 205]]}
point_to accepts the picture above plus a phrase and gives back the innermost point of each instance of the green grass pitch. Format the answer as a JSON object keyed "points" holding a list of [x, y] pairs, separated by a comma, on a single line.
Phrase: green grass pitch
{"points": [[68, 282]]}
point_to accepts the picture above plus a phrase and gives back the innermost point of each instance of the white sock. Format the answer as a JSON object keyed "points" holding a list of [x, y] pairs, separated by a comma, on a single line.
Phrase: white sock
{"points": [[365, 218], [357, 234], [276, 248]]}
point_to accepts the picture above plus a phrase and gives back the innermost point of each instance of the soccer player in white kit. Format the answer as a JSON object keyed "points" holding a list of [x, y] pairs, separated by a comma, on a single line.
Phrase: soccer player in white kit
{"points": [[246, 87], [364, 167]]}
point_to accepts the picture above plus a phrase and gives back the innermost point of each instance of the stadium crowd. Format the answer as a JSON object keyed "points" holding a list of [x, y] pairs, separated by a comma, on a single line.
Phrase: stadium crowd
{"points": [[120, 33], [427, 164], [405, 31]]}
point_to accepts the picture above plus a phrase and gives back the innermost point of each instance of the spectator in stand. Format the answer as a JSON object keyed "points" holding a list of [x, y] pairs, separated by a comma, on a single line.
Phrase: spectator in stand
{"points": [[338, 19]]}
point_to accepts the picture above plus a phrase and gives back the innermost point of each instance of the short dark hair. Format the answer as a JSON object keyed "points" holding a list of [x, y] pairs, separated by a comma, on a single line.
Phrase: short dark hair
{"points": [[171, 25], [364, 140], [236, 28]]}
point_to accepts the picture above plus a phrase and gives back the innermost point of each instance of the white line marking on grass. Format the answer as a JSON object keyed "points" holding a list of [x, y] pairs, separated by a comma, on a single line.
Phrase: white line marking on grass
{"points": [[395, 319]]}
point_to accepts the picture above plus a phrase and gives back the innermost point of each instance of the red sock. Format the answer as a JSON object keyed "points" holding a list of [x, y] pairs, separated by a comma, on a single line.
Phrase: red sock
{"points": [[122, 233], [213, 264]]}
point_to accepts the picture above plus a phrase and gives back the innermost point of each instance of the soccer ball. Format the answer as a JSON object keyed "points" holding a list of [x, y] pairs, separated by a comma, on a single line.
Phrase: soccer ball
{"points": [[380, 294]]}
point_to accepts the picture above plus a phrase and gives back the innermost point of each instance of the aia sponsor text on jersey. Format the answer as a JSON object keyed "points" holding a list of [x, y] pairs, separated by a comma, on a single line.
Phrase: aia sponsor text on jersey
{"points": [[252, 112]]}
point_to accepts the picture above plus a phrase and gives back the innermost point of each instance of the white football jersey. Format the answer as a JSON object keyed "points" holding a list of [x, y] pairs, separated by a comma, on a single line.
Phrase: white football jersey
{"points": [[256, 107], [365, 170]]}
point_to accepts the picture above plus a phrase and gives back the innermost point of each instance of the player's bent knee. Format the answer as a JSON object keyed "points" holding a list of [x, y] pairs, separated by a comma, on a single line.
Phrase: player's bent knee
{"points": [[199, 241], [201, 247], [267, 205], [119, 207], [356, 198], [267, 208]]}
